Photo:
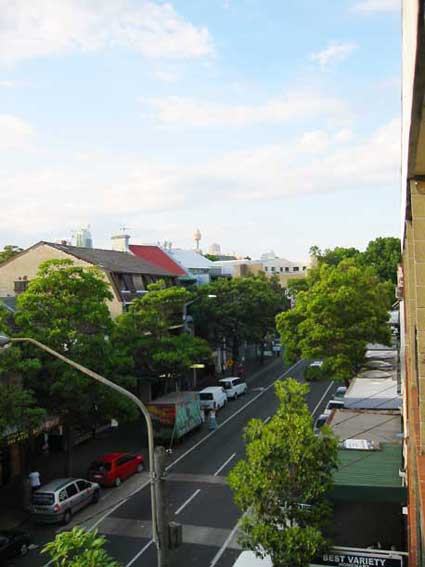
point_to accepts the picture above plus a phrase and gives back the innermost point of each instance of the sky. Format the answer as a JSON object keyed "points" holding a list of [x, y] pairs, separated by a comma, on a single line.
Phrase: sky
{"points": [[267, 124]]}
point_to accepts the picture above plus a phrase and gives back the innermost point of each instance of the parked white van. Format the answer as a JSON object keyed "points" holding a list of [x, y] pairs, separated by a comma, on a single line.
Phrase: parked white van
{"points": [[212, 398], [234, 387]]}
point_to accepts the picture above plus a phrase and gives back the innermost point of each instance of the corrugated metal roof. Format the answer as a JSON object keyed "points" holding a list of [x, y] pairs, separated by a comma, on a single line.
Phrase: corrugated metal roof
{"points": [[190, 259], [155, 255], [380, 426], [120, 262], [370, 468], [365, 393]]}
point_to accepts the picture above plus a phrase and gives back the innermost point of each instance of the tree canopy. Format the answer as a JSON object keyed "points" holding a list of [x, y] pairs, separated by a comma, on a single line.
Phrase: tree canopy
{"points": [[344, 307], [78, 548], [383, 254], [282, 483], [244, 309], [65, 307], [8, 252], [148, 339]]}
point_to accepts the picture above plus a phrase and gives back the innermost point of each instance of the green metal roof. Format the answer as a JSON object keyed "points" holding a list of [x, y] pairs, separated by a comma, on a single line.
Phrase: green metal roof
{"points": [[369, 475]]}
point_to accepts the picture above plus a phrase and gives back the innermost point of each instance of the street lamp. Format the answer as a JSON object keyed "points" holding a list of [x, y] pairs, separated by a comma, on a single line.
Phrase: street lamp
{"points": [[159, 535], [186, 305]]}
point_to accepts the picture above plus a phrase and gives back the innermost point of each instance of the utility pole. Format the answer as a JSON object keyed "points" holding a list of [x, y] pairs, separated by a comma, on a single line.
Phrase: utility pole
{"points": [[161, 511]]}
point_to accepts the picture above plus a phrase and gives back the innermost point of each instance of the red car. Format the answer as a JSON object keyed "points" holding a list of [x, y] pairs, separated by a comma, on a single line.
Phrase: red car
{"points": [[113, 468]]}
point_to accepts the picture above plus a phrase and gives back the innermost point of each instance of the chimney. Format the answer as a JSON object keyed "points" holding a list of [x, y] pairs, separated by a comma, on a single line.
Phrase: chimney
{"points": [[120, 242]]}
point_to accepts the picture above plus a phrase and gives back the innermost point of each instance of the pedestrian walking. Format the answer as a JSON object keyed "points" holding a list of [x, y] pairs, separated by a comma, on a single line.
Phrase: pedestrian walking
{"points": [[34, 478]]}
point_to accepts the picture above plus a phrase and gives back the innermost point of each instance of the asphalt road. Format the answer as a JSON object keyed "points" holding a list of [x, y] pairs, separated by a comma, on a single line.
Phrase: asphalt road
{"points": [[198, 496]]}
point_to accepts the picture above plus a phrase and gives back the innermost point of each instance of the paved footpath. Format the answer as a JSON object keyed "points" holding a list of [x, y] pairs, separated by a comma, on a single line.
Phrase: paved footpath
{"points": [[198, 495]]}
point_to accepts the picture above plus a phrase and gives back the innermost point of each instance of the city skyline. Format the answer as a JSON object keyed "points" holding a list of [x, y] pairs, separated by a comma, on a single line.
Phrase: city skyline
{"points": [[268, 126]]}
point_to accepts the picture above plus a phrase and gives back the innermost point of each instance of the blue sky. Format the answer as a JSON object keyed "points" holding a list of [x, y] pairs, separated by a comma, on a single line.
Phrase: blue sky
{"points": [[265, 123]]}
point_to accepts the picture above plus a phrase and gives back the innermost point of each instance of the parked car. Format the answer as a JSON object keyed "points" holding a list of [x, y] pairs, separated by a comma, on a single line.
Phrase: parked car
{"points": [[234, 387], [340, 392], [213, 398], [335, 404], [316, 364], [111, 469], [321, 421], [12, 544], [58, 500]]}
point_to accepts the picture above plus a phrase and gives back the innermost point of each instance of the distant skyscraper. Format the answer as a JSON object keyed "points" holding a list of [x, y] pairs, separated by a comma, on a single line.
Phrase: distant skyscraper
{"points": [[214, 249], [83, 238]]}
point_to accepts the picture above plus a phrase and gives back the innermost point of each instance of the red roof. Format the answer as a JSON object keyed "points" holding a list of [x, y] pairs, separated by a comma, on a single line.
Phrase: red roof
{"points": [[158, 257]]}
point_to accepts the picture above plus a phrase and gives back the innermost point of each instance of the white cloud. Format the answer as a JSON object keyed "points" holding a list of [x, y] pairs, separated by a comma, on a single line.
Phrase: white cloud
{"points": [[14, 132], [111, 190], [167, 75], [44, 28], [335, 51], [186, 111], [6, 84], [315, 141], [343, 135], [368, 6]]}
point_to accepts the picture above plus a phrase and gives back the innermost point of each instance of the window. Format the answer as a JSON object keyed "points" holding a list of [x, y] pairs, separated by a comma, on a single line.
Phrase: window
{"points": [[273, 268], [206, 396], [128, 283], [21, 285], [286, 269], [236, 382], [62, 495], [43, 498], [123, 460], [266, 269], [304, 268], [71, 490], [281, 269], [82, 485], [100, 466], [296, 268], [138, 282]]}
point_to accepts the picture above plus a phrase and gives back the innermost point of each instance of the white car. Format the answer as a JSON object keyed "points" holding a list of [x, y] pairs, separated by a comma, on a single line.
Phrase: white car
{"points": [[316, 364], [212, 398], [234, 387]]}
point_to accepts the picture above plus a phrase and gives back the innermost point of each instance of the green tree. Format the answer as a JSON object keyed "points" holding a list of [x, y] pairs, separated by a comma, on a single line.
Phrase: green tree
{"points": [[384, 254], [282, 483], [333, 256], [78, 548], [212, 257], [65, 307], [344, 308], [149, 342], [18, 410], [8, 252], [243, 310]]}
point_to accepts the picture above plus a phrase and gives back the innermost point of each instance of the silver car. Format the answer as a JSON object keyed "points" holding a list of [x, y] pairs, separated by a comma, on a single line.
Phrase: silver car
{"points": [[58, 500]]}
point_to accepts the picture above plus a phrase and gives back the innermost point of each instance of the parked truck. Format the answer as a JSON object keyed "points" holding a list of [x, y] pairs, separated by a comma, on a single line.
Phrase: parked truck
{"points": [[175, 414]]}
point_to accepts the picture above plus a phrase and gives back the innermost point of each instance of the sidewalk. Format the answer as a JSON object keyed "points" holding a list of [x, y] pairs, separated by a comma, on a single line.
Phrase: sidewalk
{"points": [[126, 438]]}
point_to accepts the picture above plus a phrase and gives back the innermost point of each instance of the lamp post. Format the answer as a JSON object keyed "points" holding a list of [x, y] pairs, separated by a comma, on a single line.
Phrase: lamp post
{"points": [[159, 533]]}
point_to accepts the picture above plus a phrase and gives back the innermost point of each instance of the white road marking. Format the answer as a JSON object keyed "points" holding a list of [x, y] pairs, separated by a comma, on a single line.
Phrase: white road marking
{"points": [[121, 502], [141, 552], [322, 398], [267, 419], [241, 409], [224, 464], [225, 545], [177, 512]]}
